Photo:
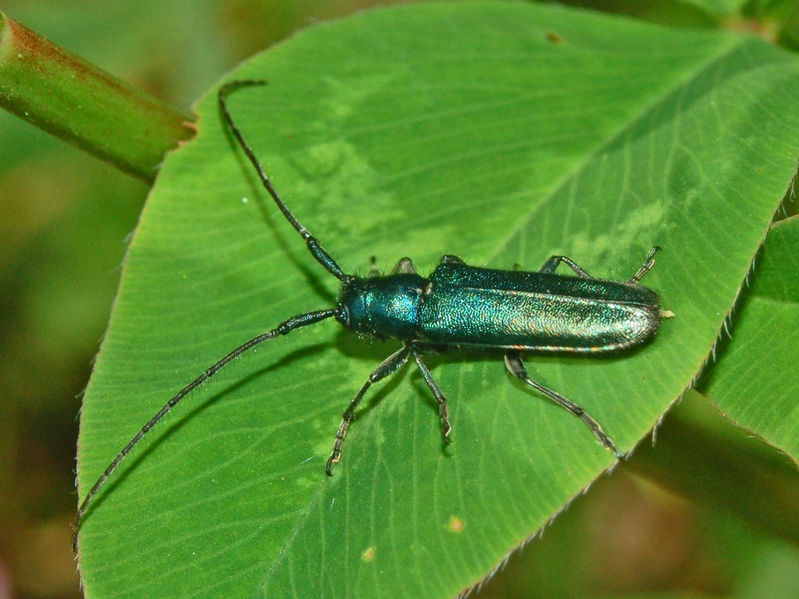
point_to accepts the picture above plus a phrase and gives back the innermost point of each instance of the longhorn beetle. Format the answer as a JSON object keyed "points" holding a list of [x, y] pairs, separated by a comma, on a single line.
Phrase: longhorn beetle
{"points": [[457, 306]]}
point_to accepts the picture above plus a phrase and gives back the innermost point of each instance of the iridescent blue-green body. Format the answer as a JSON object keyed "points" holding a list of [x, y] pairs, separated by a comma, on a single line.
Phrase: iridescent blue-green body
{"points": [[466, 307], [458, 306], [479, 308]]}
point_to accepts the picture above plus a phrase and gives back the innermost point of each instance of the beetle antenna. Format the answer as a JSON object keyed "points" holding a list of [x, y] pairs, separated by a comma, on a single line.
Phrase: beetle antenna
{"points": [[316, 249], [284, 328]]}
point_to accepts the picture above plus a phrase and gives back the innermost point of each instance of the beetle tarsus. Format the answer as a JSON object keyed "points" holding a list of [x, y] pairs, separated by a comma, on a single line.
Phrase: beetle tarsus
{"points": [[649, 262]]}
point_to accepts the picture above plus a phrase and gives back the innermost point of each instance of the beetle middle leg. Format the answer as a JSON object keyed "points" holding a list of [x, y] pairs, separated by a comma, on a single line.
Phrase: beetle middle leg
{"points": [[513, 361], [389, 366], [553, 261], [443, 413]]}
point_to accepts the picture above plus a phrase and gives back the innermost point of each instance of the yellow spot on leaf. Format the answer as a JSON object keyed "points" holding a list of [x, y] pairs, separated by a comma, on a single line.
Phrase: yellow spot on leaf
{"points": [[455, 524]]}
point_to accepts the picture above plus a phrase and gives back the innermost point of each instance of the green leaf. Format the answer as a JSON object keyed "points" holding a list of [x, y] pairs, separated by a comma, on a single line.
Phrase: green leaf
{"points": [[502, 133], [755, 382]]}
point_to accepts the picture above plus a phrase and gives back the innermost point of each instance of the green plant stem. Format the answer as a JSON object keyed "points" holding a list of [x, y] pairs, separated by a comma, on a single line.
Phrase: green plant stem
{"points": [[85, 106]]}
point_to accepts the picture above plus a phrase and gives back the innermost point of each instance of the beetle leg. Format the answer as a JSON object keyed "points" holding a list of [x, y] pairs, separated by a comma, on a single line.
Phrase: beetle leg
{"points": [[404, 266], [389, 366], [443, 413], [513, 361], [373, 270], [552, 263], [649, 262], [450, 259]]}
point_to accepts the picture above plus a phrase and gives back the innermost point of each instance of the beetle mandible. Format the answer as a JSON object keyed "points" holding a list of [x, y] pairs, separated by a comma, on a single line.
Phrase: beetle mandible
{"points": [[457, 306]]}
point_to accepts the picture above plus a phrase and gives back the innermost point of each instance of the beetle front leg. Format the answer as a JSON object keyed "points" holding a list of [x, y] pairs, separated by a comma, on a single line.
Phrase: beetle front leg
{"points": [[443, 413], [389, 366], [514, 364], [404, 266]]}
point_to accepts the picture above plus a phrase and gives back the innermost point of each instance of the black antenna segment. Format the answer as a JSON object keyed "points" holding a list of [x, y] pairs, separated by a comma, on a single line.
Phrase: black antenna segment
{"points": [[284, 328], [316, 249]]}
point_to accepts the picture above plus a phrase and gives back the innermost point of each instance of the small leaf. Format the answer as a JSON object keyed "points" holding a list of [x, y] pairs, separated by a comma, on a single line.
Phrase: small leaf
{"points": [[755, 382]]}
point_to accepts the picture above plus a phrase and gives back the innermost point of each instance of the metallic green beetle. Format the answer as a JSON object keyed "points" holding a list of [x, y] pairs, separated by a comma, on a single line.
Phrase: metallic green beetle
{"points": [[457, 306]]}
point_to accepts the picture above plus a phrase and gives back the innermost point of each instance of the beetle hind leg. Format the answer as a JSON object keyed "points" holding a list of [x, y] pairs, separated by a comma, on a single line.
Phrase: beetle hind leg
{"points": [[514, 364], [649, 262]]}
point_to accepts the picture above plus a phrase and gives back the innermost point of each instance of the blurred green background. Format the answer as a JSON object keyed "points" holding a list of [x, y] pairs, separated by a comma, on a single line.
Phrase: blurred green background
{"points": [[65, 219]]}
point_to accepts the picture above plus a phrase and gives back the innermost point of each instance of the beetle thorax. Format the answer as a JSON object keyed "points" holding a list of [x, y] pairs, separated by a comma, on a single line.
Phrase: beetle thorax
{"points": [[386, 306]]}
